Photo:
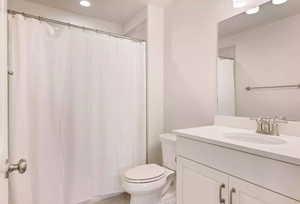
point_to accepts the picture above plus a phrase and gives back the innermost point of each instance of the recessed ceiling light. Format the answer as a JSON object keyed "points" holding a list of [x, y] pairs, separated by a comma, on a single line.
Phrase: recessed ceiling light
{"points": [[253, 10], [277, 2], [85, 3]]}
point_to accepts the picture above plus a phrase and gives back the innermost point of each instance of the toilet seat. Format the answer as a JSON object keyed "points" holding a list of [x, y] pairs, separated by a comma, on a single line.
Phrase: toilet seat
{"points": [[144, 180], [145, 174]]}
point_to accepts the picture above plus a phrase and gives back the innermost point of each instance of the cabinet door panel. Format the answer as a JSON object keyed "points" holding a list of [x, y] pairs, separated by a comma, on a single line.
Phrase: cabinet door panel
{"points": [[246, 193], [198, 184]]}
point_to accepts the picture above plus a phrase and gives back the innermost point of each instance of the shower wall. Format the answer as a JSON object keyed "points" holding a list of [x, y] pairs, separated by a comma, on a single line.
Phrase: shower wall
{"points": [[62, 15]]}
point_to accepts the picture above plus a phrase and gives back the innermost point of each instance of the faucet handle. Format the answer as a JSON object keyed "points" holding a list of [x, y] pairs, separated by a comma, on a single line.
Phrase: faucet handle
{"points": [[259, 122], [275, 124]]}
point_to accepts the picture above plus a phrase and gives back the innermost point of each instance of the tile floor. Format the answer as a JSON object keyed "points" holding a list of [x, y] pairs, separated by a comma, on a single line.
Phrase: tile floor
{"points": [[122, 199]]}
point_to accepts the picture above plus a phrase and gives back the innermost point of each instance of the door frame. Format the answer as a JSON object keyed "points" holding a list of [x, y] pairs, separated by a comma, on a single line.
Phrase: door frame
{"points": [[3, 102]]}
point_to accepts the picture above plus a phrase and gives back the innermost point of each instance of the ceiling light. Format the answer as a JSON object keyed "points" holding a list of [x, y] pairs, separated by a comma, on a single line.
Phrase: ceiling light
{"points": [[85, 3], [277, 2], [239, 3], [253, 10]]}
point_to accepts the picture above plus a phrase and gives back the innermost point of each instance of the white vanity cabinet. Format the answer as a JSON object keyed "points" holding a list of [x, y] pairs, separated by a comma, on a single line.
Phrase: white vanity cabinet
{"points": [[212, 169], [242, 192], [199, 184]]}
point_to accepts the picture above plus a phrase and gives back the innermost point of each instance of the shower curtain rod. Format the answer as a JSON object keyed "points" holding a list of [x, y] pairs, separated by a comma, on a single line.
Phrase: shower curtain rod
{"points": [[13, 12]]}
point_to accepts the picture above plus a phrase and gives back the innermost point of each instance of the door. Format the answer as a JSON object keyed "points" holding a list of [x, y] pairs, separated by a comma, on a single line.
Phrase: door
{"points": [[198, 184], [3, 104], [242, 192]]}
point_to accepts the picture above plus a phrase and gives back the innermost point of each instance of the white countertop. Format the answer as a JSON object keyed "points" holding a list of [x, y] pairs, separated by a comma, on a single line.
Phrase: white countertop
{"points": [[288, 152]]}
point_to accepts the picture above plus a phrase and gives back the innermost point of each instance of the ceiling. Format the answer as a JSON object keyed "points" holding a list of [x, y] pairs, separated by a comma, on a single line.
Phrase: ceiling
{"points": [[268, 13], [118, 11]]}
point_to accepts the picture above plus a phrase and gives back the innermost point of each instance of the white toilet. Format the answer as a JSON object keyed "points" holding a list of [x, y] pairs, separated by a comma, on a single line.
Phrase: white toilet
{"points": [[151, 183]]}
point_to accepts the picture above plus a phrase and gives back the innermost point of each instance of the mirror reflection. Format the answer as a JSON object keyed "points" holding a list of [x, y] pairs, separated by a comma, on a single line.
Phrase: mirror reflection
{"points": [[258, 69]]}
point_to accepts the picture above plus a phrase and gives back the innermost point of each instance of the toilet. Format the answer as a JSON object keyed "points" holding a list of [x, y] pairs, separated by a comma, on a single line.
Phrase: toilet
{"points": [[151, 183]]}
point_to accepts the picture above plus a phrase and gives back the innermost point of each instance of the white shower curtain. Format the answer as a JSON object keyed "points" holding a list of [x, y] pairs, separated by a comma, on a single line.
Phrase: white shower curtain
{"points": [[77, 111]]}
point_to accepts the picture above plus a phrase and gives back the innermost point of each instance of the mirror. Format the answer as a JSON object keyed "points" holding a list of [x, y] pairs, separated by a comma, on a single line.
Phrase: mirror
{"points": [[258, 68]]}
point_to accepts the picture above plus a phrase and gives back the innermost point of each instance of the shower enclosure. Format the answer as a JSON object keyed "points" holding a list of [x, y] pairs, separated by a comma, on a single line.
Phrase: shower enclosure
{"points": [[77, 110]]}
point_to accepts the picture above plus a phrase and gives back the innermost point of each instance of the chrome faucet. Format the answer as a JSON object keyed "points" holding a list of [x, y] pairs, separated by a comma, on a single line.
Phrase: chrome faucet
{"points": [[264, 125], [268, 125]]}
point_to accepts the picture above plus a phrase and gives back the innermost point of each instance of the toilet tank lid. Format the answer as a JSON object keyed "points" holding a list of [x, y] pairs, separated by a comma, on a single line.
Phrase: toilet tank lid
{"points": [[168, 137]]}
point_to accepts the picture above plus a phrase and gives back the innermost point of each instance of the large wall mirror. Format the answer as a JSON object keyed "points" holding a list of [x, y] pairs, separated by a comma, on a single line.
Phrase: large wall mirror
{"points": [[258, 71]]}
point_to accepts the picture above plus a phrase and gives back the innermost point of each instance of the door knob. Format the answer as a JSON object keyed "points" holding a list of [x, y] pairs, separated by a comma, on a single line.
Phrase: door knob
{"points": [[21, 167]]}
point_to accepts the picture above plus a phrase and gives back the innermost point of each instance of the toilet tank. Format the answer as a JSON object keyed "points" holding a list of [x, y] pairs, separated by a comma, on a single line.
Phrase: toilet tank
{"points": [[168, 144]]}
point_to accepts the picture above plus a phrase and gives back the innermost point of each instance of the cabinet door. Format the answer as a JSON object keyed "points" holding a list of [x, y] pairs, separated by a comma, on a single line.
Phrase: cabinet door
{"points": [[242, 192], [198, 184]]}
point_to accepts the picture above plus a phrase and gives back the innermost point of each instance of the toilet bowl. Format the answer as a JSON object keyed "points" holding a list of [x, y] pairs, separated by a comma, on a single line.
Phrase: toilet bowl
{"points": [[147, 184]]}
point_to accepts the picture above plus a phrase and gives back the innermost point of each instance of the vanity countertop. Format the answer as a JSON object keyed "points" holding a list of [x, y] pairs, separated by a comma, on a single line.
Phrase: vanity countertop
{"points": [[288, 152]]}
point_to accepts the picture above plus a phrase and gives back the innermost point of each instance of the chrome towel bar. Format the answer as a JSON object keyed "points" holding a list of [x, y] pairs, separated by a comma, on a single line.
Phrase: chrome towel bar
{"points": [[273, 87]]}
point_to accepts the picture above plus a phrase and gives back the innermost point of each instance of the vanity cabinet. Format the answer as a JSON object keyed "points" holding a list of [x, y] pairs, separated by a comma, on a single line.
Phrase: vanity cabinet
{"points": [[242, 192], [199, 184]]}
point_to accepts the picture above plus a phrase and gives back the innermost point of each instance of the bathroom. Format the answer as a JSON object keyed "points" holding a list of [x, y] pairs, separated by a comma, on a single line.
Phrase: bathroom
{"points": [[149, 102]]}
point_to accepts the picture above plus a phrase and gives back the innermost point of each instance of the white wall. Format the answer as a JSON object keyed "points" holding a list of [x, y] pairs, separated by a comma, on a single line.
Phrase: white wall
{"points": [[190, 60], [136, 27], [268, 55], [62, 15], [155, 47], [227, 52], [139, 32]]}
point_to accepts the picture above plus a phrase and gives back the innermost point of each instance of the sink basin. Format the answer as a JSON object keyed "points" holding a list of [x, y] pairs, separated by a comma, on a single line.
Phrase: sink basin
{"points": [[254, 138]]}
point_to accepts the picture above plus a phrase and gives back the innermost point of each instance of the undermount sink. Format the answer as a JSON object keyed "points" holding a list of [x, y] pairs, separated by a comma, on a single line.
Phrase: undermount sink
{"points": [[254, 138]]}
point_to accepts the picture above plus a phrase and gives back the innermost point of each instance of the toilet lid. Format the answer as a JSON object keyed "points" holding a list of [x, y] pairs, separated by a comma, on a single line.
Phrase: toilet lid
{"points": [[145, 172]]}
